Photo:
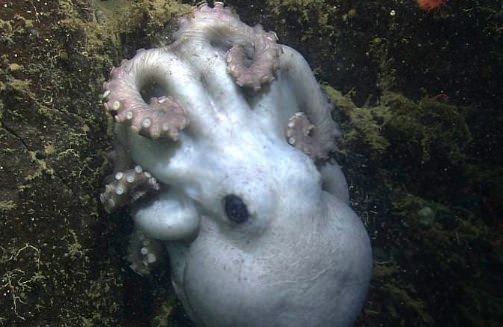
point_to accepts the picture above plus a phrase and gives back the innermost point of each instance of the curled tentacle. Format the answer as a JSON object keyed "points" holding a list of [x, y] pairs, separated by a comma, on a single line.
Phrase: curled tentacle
{"points": [[308, 138], [161, 117], [259, 70], [314, 131], [127, 187], [299, 134], [144, 253], [252, 54]]}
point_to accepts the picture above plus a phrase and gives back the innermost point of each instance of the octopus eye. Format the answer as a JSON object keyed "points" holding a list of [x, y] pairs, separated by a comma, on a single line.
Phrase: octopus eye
{"points": [[235, 209]]}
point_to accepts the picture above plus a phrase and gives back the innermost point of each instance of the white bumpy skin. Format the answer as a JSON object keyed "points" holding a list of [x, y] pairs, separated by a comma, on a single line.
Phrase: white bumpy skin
{"points": [[256, 222]]}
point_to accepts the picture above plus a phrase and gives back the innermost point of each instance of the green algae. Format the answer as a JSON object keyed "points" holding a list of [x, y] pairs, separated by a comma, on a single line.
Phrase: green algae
{"points": [[7, 205], [411, 127], [365, 125]]}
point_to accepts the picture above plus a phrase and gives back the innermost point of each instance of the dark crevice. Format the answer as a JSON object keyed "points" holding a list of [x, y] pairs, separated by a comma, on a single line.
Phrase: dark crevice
{"points": [[27, 148], [13, 133]]}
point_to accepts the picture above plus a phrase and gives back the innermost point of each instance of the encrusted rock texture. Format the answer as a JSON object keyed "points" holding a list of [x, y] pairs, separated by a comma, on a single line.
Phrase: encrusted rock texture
{"points": [[418, 94]]}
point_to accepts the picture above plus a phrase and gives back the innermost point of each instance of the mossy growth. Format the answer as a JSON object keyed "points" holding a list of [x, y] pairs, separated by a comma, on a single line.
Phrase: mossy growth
{"points": [[156, 18], [60, 262], [424, 138], [436, 255], [455, 252], [365, 128], [430, 125]]}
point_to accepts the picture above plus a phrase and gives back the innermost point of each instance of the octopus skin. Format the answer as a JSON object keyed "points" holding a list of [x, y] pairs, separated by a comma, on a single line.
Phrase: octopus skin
{"points": [[222, 154]]}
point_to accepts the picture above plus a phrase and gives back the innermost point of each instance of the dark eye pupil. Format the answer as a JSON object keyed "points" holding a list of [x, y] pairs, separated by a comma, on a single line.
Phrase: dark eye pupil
{"points": [[235, 209]]}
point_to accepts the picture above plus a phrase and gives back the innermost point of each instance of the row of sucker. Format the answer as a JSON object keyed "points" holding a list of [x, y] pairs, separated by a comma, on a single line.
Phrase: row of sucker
{"points": [[144, 253], [162, 117], [127, 187], [249, 68], [305, 136]]}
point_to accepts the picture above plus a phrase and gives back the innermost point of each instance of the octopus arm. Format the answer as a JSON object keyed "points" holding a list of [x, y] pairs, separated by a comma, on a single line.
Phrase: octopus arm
{"points": [[313, 130]]}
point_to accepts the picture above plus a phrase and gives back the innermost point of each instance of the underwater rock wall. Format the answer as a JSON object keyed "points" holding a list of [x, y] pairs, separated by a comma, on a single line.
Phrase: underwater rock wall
{"points": [[55, 264], [434, 174]]}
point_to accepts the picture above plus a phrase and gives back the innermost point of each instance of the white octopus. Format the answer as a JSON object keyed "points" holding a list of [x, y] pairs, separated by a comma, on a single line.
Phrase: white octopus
{"points": [[222, 148]]}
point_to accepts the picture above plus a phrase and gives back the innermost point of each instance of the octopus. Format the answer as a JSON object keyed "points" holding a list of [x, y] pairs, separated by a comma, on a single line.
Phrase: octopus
{"points": [[222, 155]]}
